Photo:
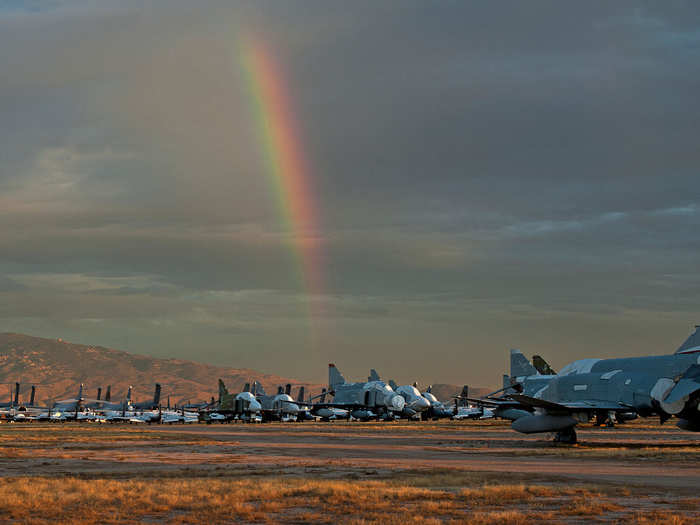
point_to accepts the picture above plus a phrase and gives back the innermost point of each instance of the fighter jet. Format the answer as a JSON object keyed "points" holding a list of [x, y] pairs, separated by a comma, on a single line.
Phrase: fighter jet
{"points": [[280, 407], [437, 409], [364, 401], [415, 403], [242, 406], [323, 411], [148, 405], [664, 385], [465, 408]]}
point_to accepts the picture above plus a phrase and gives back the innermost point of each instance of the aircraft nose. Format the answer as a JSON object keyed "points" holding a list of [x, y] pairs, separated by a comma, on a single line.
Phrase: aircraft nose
{"points": [[254, 406], [422, 404], [292, 408]]}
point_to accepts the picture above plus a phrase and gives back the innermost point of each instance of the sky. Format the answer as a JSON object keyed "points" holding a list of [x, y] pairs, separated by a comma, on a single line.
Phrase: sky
{"points": [[482, 176]]}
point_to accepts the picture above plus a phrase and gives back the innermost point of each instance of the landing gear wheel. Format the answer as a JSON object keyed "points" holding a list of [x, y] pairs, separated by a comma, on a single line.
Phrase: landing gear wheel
{"points": [[567, 436]]}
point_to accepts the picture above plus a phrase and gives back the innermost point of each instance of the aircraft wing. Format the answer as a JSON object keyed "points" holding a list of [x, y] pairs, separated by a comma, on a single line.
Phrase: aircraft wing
{"points": [[346, 406], [570, 406], [492, 402]]}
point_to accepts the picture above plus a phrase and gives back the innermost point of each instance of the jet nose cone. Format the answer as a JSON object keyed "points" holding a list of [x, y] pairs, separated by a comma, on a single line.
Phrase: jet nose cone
{"points": [[292, 408], [255, 406], [422, 404], [397, 403]]}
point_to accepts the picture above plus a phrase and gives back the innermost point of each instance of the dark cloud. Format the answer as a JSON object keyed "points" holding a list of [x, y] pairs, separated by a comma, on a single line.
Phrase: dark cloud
{"points": [[488, 175]]}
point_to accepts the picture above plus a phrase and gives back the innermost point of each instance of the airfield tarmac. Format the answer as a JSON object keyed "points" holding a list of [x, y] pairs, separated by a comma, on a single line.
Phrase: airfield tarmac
{"points": [[358, 472]]}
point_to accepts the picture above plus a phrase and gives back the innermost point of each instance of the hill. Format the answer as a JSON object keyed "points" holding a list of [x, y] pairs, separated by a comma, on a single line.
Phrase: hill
{"points": [[58, 367]]}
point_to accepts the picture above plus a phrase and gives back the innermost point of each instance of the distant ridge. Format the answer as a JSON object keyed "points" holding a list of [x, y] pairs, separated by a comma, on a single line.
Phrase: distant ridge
{"points": [[58, 367]]}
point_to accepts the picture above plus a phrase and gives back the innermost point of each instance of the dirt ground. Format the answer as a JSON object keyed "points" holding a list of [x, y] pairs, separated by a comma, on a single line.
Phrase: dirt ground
{"points": [[645, 470]]}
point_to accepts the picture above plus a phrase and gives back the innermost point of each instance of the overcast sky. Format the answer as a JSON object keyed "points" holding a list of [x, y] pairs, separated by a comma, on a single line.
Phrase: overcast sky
{"points": [[488, 175]]}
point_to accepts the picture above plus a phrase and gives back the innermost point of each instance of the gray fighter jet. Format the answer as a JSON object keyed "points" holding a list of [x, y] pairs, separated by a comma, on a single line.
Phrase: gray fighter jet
{"points": [[664, 385], [280, 407], [370, 400], [437, 408], [415, 403]]}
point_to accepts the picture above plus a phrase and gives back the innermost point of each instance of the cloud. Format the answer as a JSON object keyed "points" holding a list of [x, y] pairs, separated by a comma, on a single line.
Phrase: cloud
{"points": [[486, 176]]}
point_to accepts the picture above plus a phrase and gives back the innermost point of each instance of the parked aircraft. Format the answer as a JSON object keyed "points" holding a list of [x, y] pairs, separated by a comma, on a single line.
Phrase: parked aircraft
{"points": [[373, 399], [437, 409], [324, 411], [280, 407], [147, 405], [242, 406], [414, 404], [665, 385]]}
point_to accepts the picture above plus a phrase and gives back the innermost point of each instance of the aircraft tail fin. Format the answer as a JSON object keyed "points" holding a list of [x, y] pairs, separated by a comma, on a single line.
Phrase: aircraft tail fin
{"points": [[280, 390], [258, 389], [156, 395], [288, 389], [16, 401], [246, 387], [99, 392], [464, 394], [542, 366], [80, 391], [373, 375], [520, 366], [128, 394], [300, 397], [323, 395], [429, 390], [222, 390], [31, 397], [692, 344], [335, 378], [108, 395], [393, 384]]}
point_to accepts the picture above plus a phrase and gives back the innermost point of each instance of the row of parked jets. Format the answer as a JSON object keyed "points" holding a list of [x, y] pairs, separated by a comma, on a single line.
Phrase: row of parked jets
{"points": [[534, 397]]}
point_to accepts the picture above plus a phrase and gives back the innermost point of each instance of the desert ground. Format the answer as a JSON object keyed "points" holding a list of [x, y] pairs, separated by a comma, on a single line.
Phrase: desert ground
{"points": [[402, 472]]}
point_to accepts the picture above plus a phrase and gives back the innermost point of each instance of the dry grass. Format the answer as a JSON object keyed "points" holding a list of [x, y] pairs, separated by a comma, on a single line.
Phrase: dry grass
{"points": [[657, 517], [44, 500], [301, 500], [223, 484]]}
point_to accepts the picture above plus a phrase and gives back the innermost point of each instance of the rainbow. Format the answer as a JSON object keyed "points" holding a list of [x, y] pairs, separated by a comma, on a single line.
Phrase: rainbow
{"points": [[285, 162]]}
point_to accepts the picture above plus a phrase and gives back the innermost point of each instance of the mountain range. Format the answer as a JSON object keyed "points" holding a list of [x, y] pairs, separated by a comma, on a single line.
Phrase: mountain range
{"points": [[58, 367]]}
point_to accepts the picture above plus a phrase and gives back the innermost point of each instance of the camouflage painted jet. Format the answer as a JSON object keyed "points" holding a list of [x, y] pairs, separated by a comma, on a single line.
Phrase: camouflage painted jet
{"points": [[664, 385], [241, 406]]}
